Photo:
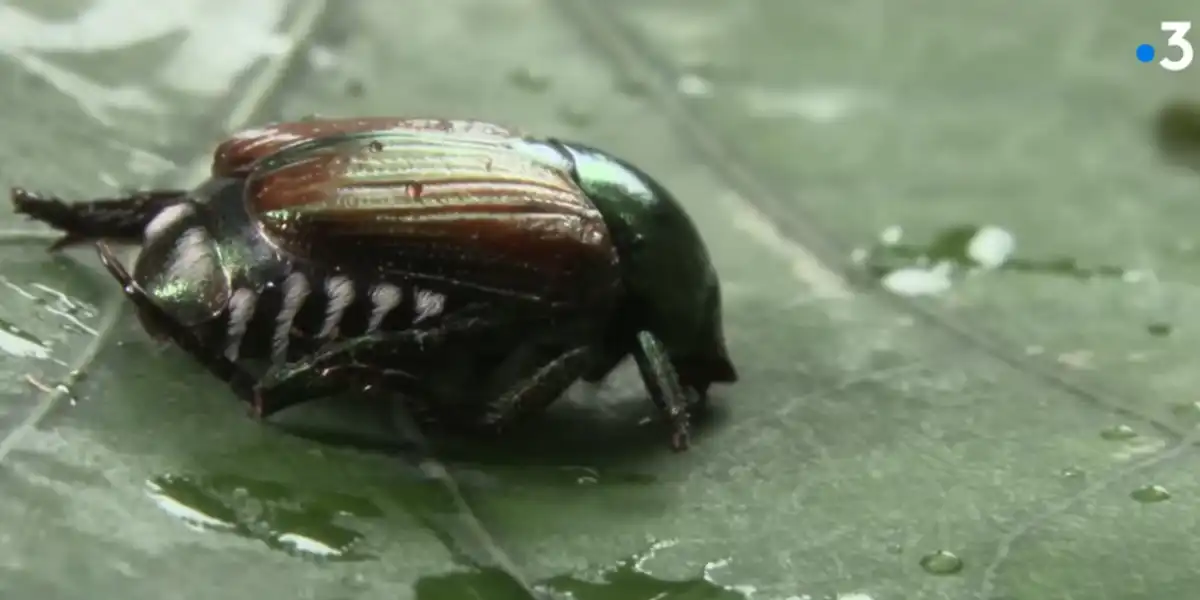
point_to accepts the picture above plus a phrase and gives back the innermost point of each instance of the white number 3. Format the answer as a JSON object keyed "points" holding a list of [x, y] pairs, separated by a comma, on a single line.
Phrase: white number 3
{"points": [[1178, 29]]}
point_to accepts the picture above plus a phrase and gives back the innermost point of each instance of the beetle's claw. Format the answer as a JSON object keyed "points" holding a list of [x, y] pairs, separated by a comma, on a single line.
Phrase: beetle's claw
{"points": [[256, 407], [680, 439]]}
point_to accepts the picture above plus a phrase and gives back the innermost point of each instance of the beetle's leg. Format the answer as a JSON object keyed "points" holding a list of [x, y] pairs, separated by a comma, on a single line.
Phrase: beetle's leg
{"points": [[117, 219], [283, 386], [663, 384], [303, 385], [538, 390], [378, 387]]}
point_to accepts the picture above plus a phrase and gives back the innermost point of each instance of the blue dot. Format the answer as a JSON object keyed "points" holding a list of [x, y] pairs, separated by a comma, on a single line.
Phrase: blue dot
{"points": [[1145, 53]]}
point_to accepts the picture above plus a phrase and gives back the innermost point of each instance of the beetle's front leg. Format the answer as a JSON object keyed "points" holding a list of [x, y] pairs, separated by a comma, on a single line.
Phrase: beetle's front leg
{"points": [[662, 382]]}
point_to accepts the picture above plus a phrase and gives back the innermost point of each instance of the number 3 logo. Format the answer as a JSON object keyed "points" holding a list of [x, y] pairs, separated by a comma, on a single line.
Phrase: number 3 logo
{"points": [[1178, 29]]}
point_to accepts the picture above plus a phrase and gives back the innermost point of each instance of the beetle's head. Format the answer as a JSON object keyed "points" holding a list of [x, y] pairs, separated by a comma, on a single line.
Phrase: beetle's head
{"points": [[704, 359], [177, 271]]}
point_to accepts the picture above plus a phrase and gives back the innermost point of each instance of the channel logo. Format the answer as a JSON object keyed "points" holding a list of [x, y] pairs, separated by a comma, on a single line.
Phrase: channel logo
{"points": [[1178, 51]]}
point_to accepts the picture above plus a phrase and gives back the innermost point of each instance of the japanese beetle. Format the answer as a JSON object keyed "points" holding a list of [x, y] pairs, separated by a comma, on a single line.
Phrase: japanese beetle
{"points": [[472, 269]]}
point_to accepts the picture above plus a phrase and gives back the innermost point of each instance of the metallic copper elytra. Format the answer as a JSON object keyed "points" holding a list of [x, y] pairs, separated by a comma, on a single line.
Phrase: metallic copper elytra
{"points": [[477, 202], [235, 155]]}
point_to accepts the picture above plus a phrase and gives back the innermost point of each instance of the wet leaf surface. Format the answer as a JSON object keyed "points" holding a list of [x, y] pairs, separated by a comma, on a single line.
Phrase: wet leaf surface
{"points": [[957, 287]]}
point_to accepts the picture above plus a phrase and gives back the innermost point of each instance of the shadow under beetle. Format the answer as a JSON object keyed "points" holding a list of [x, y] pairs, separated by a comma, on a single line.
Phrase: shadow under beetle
{"points": [[473, 270]]}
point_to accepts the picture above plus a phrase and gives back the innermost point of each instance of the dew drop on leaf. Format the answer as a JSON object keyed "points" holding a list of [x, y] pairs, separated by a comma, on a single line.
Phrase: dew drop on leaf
{"points": [[1071, 473], [941, 562], [1149, 494]]}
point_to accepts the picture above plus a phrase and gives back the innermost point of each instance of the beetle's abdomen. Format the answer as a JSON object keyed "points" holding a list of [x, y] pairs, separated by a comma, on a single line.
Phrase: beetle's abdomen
{"points": [[179, 266], [470, 209], [304, 311], [235, 155]]}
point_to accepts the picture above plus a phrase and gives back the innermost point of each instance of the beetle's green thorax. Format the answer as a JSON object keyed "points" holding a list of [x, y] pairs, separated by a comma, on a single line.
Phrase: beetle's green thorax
{"points": [[674, 291]]}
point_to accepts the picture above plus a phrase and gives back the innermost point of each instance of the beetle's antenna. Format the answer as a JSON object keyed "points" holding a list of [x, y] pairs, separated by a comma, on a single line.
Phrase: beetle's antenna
{"points": [[115, 219]]}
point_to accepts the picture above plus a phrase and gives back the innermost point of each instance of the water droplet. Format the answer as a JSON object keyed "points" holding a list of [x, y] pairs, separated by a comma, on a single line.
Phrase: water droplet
{"points": [[67, 393], [628, 578], [891, 236], [986, 247], [19, 342], [1159, 329], [1072, 473], [918, 281], [587, 480], [526, 79], [991, 247], [941, 562], [694, 85], [1118, 433], [322, 58], [296, 522], [1149, 494]]}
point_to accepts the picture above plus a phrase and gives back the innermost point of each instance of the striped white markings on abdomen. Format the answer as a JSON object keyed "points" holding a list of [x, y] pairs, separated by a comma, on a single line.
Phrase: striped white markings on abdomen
{"points": [[338, 297], [295, 291], [339, 291], [428, 304], [385, 297]]}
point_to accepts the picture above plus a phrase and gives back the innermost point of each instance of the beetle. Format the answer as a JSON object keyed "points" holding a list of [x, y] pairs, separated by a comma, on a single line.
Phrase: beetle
{"points": [[474, 269]]}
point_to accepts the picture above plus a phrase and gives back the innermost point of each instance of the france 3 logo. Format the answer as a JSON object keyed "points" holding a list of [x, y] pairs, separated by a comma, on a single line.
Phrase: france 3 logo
{"points": [[1178, 53]]}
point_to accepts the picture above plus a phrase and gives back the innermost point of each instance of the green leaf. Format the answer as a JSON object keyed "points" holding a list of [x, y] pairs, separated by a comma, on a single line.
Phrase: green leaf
{"points": [[958, 267]]}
